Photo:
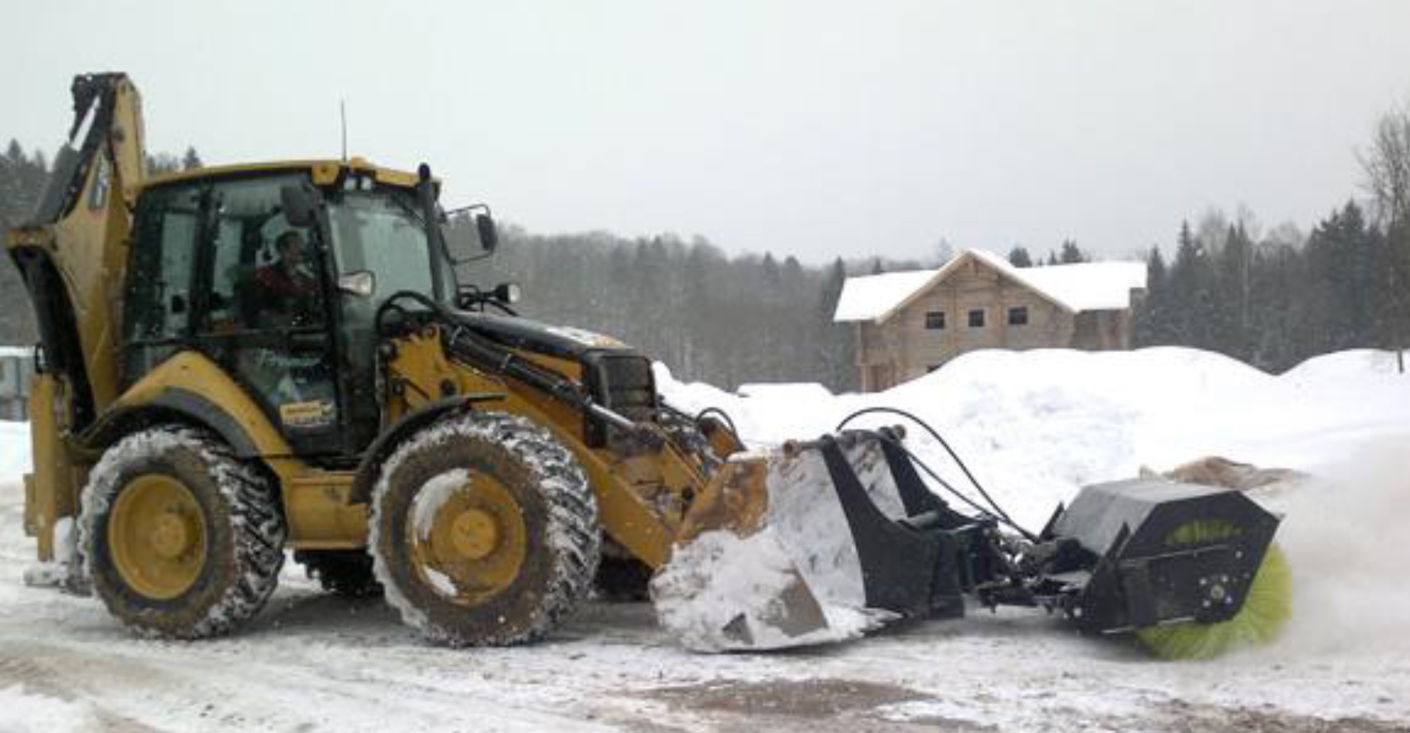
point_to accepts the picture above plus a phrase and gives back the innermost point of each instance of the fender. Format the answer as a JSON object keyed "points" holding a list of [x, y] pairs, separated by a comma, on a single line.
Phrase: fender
{"points": [[382, 447], [190, 385]]}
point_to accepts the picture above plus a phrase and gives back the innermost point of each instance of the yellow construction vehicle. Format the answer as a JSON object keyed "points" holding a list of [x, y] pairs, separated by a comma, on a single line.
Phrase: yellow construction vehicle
{"points": [[244, 360]]}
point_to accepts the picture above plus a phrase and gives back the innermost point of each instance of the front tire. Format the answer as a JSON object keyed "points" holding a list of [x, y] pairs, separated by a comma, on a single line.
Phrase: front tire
{"points": [[179, 538], [484, 531]]}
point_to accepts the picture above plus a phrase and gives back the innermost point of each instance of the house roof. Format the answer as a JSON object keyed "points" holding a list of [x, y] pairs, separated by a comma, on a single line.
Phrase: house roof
{"points": [[1079, 287]]}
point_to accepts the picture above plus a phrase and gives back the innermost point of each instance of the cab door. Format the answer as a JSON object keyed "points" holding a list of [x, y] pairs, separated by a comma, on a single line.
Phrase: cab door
{"points": [[206, 275], [260, 310]]}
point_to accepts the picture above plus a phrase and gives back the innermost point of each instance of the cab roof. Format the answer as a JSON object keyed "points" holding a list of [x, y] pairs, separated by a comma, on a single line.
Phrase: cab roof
{"points": [[323, 172]]}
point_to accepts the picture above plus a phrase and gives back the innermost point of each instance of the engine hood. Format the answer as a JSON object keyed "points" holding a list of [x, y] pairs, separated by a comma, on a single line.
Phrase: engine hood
{"points": [[521, 333]]}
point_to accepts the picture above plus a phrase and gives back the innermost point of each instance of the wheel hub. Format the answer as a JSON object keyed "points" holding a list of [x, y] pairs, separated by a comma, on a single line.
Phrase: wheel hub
{"points": [[476, 541], [156, 536], [170, 536], [474, 534]]}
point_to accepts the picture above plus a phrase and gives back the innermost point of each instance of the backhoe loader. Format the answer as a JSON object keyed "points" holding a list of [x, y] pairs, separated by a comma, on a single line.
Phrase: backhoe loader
{"points": [[236, 362]]}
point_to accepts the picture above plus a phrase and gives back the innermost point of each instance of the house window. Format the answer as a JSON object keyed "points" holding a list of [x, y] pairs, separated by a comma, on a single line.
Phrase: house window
{"points": [[1018, 316], [976, 318], [935, 320]]}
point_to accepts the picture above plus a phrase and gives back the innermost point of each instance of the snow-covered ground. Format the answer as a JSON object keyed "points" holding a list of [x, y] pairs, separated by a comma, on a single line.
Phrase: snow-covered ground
{"points": [[1033, 427]]}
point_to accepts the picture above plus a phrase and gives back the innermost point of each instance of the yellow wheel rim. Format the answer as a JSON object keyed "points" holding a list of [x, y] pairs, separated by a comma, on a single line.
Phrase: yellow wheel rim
{"points": [[475, 542], [157, 536]]}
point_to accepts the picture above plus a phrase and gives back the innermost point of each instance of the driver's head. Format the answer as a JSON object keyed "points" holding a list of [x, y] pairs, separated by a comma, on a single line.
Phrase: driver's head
{"points": [[290, 246]]}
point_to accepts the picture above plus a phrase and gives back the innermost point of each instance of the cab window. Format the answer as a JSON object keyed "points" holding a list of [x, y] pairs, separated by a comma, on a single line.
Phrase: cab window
{"points": [[263, 273], [161, 276]]}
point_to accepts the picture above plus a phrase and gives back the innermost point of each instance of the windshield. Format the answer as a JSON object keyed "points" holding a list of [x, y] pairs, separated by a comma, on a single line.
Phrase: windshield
{"points": [[378, 232]]}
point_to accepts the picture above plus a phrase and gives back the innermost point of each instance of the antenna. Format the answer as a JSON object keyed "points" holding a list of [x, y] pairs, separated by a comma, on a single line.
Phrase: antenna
{"points": [[343, 113]]}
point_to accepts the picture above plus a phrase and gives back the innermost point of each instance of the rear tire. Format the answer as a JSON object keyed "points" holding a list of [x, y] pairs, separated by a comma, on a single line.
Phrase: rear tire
{"points": [[484, 531], [180, 539]]}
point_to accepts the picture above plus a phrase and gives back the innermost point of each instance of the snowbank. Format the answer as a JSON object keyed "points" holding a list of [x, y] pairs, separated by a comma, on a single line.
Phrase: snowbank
{"points": [[1034, 426], [1356, 363], [14, 449]]}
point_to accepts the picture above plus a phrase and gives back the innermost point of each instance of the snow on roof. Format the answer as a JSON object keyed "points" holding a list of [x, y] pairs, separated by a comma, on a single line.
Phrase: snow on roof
{"points": [[1078, 287], [867, 298]]}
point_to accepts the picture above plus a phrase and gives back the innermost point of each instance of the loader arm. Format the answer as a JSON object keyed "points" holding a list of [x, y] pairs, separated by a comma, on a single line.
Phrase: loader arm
{"points": [[643, 492]]}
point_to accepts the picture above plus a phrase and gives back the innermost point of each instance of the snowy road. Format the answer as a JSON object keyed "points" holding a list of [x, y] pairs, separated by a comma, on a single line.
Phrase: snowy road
{"points": [[312, 662]]}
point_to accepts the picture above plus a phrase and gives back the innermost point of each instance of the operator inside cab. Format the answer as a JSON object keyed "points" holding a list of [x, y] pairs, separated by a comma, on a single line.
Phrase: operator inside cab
{"points": [[287, 287]]}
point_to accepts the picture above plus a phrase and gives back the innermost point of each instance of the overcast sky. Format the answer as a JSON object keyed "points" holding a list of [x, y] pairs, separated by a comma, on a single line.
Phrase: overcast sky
{"points": [[809, 128]]}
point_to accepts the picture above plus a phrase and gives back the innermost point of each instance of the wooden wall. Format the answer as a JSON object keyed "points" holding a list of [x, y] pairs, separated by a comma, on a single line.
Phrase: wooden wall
{"points": [[902, 348]]}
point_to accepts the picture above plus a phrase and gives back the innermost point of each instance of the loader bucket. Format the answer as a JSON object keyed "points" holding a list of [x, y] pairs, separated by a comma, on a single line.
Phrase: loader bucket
{"points": [[817, 542], [1163, 553]]}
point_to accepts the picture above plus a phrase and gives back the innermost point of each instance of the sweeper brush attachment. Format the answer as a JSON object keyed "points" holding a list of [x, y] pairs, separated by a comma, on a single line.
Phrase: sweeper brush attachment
{"points": [[1190, 569], [843, 536]]}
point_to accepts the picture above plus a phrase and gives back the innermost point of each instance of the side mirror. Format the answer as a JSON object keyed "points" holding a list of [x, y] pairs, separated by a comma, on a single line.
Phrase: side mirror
{"points": [[300, 204], [508, 293], [460, 242], [489, 233], [362, 283]]}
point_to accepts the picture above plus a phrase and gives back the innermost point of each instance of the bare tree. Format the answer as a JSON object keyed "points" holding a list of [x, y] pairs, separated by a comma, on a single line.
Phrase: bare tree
{"points": [[1387, 169]]}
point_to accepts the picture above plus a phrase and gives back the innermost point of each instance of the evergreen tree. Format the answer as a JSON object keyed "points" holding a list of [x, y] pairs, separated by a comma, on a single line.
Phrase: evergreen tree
{"points": [[162, 163], [1071, 253], [1018, 257], [1150, 320], [836, 345], [190, 160], [1230, 331], [22, 179], [1191, 290]]}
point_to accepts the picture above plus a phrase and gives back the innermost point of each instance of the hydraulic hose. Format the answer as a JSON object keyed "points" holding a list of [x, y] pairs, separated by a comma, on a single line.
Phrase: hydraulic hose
{"points": [[463, 343]]}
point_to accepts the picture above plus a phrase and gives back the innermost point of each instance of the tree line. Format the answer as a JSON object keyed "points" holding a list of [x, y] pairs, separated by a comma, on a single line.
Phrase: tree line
{"points": [[1274, 300], [709, 316]]}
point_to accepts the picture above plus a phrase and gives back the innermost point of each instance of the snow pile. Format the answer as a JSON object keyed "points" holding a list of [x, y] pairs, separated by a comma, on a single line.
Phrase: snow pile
{"points": [[1353, 364], [1035, 426], [14, 449], [28, 712], [723, 593], [796, 582]]}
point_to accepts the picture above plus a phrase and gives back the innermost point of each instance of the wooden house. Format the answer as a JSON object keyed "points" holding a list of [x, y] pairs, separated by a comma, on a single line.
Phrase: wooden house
{"points": [[910, 323]]}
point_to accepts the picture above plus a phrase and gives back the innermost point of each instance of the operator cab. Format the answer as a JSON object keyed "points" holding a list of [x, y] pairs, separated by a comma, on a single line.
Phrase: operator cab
{"points": [[276, 273]]}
